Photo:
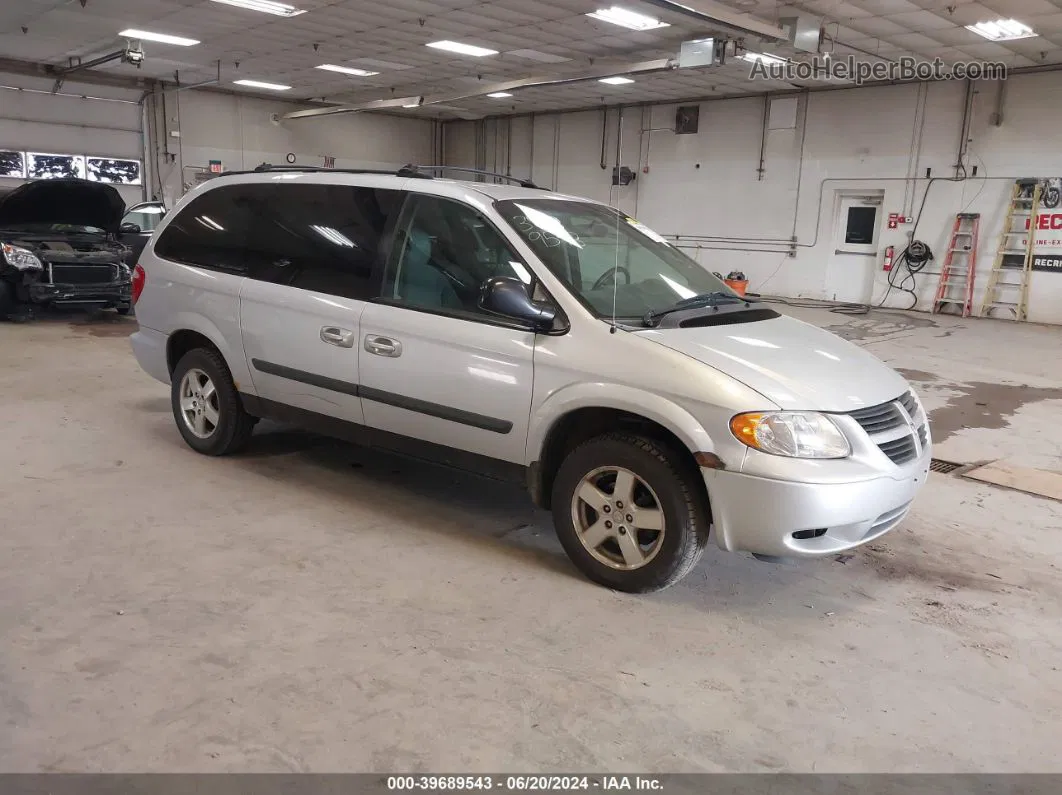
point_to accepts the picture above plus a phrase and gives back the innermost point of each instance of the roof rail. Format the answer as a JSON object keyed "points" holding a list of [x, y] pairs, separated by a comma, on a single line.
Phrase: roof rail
{"points": [[269, 167], [523, 183], [410, 171]]}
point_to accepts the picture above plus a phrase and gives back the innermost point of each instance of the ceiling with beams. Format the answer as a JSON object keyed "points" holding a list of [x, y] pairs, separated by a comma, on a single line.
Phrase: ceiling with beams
{"points": [[534, 38]]}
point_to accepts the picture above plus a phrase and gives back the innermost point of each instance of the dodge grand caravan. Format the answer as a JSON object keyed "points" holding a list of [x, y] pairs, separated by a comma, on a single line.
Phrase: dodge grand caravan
{"points": [[530, 336]]}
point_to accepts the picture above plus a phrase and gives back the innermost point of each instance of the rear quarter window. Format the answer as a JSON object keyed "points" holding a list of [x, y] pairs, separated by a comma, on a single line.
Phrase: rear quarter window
{"points": [[324, 238], [211, 232]]}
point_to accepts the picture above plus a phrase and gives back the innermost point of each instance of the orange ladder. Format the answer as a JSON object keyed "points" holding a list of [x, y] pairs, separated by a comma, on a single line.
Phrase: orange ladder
{"points": [[956, 283]]}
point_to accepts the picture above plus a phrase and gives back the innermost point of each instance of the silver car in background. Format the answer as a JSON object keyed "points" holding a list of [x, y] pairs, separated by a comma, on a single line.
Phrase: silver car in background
{"points": [[528, 336]]}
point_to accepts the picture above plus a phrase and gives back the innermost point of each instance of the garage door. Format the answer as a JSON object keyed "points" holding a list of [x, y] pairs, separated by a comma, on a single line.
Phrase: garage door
{"points": [[94, 132]]}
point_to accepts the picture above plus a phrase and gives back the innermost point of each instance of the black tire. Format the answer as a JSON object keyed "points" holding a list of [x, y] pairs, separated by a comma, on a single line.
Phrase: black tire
{"points": [[678, 497], [234, 425], [123, 309]]}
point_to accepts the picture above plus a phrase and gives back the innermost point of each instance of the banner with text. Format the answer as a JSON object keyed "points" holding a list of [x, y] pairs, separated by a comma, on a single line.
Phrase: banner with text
{"points": [[1046, 230]]}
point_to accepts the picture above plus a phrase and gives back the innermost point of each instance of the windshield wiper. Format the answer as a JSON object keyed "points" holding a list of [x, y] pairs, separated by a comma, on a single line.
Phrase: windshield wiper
{"points": [[695, 302]]}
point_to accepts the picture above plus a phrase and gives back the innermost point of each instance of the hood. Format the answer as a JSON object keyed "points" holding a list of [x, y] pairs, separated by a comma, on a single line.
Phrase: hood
{"points": [[793, 364], [63, 201]]}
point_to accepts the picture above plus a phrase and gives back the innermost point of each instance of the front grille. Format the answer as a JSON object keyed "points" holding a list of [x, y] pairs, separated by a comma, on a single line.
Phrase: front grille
{"points": [[878, 419], [901, 450], [84, 274], [884, 424]]}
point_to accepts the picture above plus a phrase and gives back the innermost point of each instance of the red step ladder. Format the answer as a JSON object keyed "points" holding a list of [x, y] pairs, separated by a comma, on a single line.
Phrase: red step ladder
{"points": [[956, 283]]}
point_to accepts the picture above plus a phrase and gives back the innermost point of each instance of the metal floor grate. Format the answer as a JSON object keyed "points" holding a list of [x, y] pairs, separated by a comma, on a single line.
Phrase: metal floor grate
{"points": [[937, 465]]}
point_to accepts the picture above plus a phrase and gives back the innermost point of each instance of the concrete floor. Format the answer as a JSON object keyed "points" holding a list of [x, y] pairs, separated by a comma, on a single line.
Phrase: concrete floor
{"points": [[307, 606]]}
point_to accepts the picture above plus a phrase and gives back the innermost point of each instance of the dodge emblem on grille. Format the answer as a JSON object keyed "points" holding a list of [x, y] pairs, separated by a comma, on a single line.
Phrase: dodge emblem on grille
{"points": [[912, 427]]}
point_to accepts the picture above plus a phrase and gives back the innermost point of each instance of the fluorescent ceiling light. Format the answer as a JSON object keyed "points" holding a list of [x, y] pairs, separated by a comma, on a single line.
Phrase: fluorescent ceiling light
{"points": [[347, 70], [499, 95], [762, 57], [265, 6], [627, 19], [1003, 30], [615, 81], [333, 235], [260, 84], [162, 38], [462, 49], [210, 223]]}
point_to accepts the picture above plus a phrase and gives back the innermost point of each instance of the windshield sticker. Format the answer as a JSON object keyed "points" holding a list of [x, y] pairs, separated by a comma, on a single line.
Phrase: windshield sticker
{"points": [[645, 230], [539, 226]]}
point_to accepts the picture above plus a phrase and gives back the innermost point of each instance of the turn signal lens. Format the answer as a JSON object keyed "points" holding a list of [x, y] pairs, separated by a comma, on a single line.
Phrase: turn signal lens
{"points": [[794, 434]]}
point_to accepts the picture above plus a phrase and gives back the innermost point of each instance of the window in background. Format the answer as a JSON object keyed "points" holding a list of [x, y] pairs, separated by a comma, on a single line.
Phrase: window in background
{"points": [[46, 166], [113, 170], [12, 164]]}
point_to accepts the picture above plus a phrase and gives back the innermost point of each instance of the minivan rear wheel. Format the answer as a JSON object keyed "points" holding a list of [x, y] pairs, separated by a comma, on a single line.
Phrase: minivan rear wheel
{"points": [[206, 405], [628, 514]]}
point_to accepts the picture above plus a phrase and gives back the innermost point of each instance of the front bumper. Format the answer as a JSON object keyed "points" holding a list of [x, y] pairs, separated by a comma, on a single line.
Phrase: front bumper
{"points": [[113, 293], [760, 515]]}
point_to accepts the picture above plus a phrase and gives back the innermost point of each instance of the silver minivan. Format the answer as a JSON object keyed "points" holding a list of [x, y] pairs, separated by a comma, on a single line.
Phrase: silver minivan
{"points": [[528, 336]]}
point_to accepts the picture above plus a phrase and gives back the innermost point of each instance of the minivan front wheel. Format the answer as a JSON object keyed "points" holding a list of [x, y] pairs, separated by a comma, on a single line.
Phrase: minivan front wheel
{"points": [[206, 405], [628, 514]]}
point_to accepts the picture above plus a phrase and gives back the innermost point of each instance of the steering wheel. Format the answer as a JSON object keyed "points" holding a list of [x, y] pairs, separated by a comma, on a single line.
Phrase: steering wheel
{"points": [[610, 275]]}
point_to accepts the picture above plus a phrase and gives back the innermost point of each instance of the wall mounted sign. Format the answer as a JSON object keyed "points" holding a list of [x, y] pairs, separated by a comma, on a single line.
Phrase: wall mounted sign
{"points": [[1047, 243]]}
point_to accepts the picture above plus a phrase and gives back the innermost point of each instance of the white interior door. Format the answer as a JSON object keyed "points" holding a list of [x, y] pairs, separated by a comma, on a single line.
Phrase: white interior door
{"points": [[857, 224]]}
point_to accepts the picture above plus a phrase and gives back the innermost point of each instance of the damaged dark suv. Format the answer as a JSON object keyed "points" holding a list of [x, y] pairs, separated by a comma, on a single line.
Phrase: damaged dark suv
{"points": [[59, 245]]}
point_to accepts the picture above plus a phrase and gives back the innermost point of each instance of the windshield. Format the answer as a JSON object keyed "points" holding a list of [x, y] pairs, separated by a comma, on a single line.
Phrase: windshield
{"points": [[591, 247]]}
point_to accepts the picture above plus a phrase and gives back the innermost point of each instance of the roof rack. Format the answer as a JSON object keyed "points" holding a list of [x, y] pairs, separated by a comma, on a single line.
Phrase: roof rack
{"points": [[268, 167], [523, 183], [410, 171]]}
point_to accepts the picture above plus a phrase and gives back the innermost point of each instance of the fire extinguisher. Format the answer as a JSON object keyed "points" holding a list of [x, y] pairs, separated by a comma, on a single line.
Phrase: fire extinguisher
{"points": [[888, 258]]}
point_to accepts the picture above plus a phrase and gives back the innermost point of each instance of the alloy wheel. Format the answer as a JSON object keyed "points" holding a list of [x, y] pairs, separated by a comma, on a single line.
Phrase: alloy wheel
{"points": [[618, 518]]}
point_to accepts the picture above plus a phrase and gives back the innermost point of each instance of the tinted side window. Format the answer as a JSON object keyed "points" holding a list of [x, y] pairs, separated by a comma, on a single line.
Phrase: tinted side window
{"points": [[210, 232], [324, 238]]}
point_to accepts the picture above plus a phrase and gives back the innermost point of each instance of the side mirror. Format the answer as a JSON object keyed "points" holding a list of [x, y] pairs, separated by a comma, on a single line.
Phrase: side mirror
{"points": [[507, 296], [129, 228]]}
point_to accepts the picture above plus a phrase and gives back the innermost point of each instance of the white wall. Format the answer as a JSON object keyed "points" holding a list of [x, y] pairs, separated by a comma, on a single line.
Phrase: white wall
{"points": [[240, 132], [80, 119], [705, 187], [237, 130]]}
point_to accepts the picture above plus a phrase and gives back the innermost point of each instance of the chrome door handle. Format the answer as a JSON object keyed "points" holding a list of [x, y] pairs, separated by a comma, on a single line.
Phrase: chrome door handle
{"points": [[383, 346], [334, 335]]}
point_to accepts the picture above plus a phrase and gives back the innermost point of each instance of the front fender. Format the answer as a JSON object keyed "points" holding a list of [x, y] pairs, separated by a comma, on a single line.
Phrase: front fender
{"points": [[652, 406]]}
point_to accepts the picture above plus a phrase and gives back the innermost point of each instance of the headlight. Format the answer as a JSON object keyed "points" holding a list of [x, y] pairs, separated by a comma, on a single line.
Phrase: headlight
{"points": [[21, 258], [795, 434]]}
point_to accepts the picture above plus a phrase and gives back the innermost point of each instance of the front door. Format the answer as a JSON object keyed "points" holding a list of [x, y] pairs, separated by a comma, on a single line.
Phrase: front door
{"points": [[434, 366], [310, 261], [850, 273]]}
